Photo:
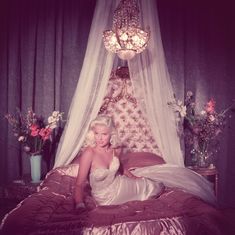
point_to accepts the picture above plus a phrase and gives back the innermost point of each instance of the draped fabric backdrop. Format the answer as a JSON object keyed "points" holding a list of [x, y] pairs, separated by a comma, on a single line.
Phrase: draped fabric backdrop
{"points": [[42, 47], [91, 87], [153, 89]]}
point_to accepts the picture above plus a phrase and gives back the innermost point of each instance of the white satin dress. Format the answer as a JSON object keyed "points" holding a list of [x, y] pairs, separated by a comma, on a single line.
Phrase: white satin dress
{"points": [[108, 187], [111, 188]]}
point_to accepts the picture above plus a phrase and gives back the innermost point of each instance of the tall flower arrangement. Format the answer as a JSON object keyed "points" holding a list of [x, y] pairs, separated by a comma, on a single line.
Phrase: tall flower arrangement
{"points": [[201, 130], [32, 131]]}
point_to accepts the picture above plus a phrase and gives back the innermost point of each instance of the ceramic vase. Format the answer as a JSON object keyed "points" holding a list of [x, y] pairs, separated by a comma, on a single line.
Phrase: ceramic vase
{"points": [[35, 168]]}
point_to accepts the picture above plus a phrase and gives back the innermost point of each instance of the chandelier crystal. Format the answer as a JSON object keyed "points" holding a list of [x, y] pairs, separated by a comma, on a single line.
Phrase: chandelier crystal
{"points": [[126, 38]]}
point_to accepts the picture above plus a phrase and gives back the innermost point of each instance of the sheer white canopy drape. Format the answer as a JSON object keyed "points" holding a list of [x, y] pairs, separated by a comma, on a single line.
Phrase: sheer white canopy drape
{"points": [[150, 79], [91, 86], [153, 89]]}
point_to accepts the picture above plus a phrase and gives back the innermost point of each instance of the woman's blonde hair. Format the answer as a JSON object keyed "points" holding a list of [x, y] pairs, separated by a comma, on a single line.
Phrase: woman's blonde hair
{"points": [[106, 121]]}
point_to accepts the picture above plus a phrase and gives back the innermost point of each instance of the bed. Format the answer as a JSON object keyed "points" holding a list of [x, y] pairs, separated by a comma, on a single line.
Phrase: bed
{"points": [[51, 210]]}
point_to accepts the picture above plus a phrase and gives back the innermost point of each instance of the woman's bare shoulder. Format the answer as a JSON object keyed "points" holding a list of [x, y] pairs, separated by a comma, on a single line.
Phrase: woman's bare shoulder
{"points": [[88, 149], [87, 153]]}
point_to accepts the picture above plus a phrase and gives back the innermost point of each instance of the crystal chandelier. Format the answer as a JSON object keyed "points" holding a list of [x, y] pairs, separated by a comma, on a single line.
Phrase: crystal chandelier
{"points": [[126, 38]]}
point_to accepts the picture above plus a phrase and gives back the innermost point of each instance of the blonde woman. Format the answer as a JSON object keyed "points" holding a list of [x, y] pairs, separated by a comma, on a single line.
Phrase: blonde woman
{"points": [[100, 164]]}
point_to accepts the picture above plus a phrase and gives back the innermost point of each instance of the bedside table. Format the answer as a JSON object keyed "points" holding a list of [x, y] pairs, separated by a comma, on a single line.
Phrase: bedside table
{"points": [[209, 173], [20, 189]]}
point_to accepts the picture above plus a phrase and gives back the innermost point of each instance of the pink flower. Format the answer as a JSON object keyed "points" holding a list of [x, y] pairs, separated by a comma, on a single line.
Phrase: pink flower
{"points": [[34, 127], [210, 106], [34, 133], [34, 130], [45, 133]]}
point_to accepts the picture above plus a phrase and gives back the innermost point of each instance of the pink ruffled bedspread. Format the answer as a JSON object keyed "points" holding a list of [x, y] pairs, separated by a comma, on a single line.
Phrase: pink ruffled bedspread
{"points": [[51, 211]]}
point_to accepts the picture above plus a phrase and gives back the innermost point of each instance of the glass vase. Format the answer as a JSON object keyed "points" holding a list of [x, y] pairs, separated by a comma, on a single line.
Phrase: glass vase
{"points": [[202, 160]]}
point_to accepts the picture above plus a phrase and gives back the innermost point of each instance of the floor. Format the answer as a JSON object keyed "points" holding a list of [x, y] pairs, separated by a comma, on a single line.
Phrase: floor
{"points": [[13, 193], [6, 205]]}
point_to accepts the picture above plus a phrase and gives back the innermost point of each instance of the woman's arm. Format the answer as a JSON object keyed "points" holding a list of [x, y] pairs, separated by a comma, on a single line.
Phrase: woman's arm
{"points": [[84, 167]]}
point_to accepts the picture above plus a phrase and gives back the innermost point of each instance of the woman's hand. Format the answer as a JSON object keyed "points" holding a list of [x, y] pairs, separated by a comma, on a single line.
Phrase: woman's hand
{"points": [[80, 205], [90, 203]]}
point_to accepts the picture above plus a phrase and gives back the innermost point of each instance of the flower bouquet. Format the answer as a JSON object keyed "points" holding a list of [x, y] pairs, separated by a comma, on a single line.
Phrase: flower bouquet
{"points": [[201, 130], [32, 131], [34, 134]]}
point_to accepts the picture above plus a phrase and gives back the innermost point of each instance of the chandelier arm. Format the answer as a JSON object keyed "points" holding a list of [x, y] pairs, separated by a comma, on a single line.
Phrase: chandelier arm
{"points": [[118, 38]]}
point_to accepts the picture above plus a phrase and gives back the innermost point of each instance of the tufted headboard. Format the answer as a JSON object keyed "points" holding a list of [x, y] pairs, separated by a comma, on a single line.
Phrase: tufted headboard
{"points": [[122, 106]]}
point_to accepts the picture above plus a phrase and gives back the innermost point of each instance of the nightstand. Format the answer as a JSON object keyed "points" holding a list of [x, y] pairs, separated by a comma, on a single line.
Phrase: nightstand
{"points": [[209, 173], [20, 189], [15, 192]]}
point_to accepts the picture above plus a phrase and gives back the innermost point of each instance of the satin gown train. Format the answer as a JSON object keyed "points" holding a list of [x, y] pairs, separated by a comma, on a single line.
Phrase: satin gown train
{"points": [[111, 188]]}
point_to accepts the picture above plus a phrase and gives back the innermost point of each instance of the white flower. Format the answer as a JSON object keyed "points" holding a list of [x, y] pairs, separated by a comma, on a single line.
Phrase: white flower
{"points": [[55, 114], [203, 112], [183, 111], [180, 103], [181, 108], [27, 148], [211, 118], [52, 125], [54, 119], [178, 106], [21, 138], [189, 94], [51, 119]]}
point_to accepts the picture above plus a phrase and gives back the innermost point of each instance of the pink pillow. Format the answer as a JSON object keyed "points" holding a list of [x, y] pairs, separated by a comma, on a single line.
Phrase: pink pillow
{"points": [[140, 159]]}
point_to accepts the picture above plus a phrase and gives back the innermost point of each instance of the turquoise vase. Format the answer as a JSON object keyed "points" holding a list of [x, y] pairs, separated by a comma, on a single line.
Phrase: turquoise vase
{"points": [[35, 168]]}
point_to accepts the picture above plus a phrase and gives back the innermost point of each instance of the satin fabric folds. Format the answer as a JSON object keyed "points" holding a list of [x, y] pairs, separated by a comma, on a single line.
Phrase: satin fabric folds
{"points": [[109, 188]]}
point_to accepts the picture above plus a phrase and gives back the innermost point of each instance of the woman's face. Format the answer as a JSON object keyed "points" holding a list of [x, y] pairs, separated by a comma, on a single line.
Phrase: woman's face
{"points": [[102, 135]]}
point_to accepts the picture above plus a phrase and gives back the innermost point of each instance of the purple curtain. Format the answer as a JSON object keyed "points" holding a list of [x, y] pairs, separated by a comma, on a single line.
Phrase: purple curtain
{"points": [[42, 45], [199, 43]]}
